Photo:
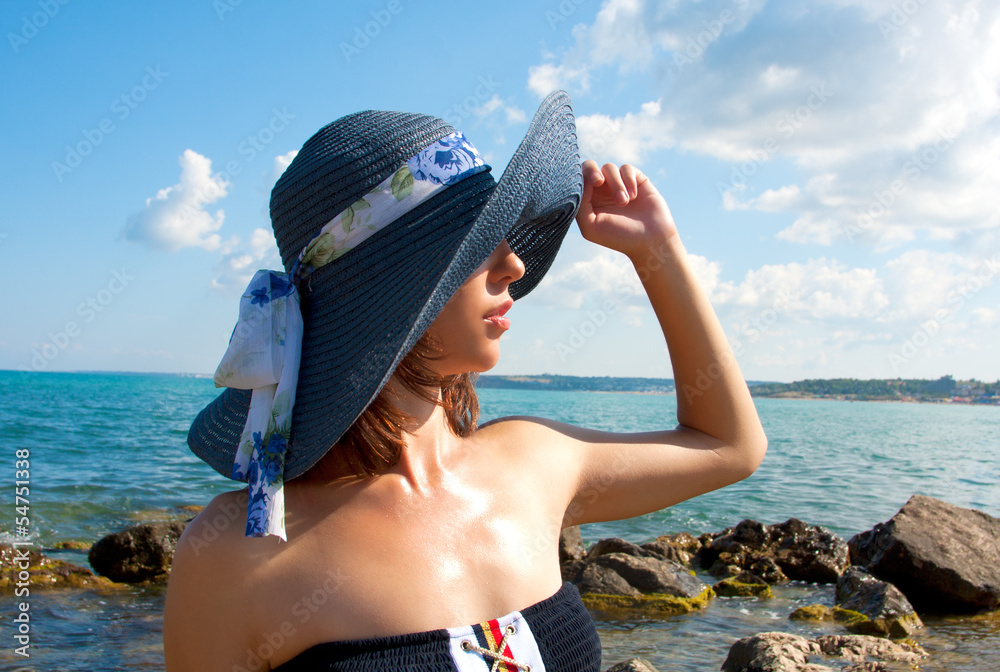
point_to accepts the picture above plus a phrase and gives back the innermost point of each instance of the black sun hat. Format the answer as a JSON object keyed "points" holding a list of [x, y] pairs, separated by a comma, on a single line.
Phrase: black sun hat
{"points": [[365, 310]]}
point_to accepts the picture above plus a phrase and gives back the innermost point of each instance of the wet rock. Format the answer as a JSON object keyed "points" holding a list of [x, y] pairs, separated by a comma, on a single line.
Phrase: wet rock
{"points": [[744, 584], [809, 552], [853, 621], [944, 558], [43, 572], [793, 550], [570, 545], [888, 610], [633, 665], [72, 545], [613, 545], [768, 569], [624, 607], [771, 652], [862, 648], [650, 575], [602, 581], [680, 548], [139, 553], [784, 652]]}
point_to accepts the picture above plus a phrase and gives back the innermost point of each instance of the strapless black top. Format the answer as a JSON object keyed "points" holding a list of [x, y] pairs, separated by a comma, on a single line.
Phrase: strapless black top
{"points": [[554, 635]]}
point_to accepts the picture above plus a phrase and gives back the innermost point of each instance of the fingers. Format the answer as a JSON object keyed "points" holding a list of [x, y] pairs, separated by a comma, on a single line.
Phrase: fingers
{"points": [[621, 183]]}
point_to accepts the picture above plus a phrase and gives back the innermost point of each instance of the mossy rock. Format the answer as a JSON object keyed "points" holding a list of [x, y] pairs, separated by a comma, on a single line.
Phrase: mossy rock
{"points": [[654, 605], [45, 572], [72, 546], [734, 588], [857, 623], [812, 612]]}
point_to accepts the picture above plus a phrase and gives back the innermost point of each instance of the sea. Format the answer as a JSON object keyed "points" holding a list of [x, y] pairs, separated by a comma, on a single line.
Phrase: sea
{"points": [[108, 450]]}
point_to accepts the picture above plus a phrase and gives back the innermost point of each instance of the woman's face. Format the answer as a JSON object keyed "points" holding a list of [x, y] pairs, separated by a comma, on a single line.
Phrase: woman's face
{"points": [[471, 323]]}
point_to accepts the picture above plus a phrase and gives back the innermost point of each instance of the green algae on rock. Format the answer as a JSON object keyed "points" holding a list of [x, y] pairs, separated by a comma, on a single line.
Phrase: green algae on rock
{"points": [[733, 587], [44, 572], [655, 605]]}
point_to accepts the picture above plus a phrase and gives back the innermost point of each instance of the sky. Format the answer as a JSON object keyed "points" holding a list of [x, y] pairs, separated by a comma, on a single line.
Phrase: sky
{"points": [[833, 167]]}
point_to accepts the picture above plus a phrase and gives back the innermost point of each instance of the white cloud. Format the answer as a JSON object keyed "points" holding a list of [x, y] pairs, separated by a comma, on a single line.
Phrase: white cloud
{"points": [[175, 217], [237, 263], [547, 77], [624, 139], [891, 117]]}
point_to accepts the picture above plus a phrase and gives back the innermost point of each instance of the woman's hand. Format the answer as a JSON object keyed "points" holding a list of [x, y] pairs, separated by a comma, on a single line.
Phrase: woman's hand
{"points": [[622, 210]]}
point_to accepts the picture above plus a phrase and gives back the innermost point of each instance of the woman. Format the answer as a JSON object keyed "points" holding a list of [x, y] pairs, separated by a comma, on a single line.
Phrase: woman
{"points": [[418, 523]]}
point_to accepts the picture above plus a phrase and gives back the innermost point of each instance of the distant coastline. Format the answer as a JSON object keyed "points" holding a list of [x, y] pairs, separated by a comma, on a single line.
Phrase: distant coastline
{"points": [[944, 390]]}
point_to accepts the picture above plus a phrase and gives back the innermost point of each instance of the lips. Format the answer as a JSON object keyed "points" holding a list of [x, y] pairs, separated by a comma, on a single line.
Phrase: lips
{"points": [[502, 309], [496, 317]]}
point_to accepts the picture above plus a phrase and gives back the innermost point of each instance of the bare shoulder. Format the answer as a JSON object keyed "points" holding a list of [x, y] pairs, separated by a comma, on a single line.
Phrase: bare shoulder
{"points": [[205, 622]]}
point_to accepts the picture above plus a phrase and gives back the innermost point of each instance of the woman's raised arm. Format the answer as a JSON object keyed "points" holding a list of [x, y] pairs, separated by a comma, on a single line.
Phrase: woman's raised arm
{"points": [[719, 439]]}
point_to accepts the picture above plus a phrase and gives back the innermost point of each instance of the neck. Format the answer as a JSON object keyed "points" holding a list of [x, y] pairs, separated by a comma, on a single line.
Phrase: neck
{"points": [[427, 443]]}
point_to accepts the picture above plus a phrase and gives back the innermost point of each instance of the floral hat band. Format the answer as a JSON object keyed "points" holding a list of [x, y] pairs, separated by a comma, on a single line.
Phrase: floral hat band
{"points": [[265, 349]]}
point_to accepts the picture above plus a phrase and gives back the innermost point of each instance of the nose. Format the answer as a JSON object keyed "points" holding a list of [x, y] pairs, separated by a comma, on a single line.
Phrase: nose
{"points": [[508, 266]]}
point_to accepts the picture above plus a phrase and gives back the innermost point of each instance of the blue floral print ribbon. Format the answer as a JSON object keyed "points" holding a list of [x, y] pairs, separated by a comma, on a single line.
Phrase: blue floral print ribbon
{"points": [[265, 348]]}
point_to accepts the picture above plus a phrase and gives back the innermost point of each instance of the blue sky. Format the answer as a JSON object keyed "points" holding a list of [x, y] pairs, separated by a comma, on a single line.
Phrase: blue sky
{"points": [[832, 165]]}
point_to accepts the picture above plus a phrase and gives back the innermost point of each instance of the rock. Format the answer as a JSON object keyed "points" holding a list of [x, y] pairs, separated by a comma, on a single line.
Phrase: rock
{"points": [[598, 580], [888, 610], [570, 545], [727, 565], [139, 553], [680, 548], [768, 569], [633, 665], [809, 552], [733, 588], [944, 558], [789, 550], [72, 546], [743, 585], [784, 652], [613, 545], [854, 621], [770, 652], [43, 572], [812, 612], [859, 648], [650, 575], [624, 607]]}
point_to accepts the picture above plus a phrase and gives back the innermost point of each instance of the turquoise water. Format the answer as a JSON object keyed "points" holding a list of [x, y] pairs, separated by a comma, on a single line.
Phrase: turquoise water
{"points": [[108, 450]]}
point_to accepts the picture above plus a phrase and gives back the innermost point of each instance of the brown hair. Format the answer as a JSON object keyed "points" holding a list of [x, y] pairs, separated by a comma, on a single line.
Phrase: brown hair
{"points": [[374, 442]]}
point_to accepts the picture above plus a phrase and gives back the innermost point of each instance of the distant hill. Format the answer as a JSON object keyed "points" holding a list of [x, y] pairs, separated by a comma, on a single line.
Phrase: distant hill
{"points": [[942, 389], [579, 383], [945, 388]]}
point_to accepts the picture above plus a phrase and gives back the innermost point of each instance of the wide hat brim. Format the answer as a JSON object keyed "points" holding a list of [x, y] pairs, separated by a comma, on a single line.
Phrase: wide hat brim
{"points": [[366, 310]]}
